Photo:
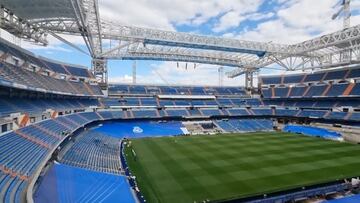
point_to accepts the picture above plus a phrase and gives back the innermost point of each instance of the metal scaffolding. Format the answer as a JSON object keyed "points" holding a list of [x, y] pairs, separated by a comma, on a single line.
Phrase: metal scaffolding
{"points": [[108, 40]]}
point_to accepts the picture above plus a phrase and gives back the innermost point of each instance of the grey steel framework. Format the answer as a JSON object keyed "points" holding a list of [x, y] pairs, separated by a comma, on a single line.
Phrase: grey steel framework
{"points": [[34, 19]]}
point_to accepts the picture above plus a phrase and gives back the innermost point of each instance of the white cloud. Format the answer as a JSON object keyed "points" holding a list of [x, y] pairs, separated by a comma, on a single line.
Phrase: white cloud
{"points": [[169, 73], [233, 19], [260, 16], [296, 21], [229, 20], [121, 79], [164, 14]]}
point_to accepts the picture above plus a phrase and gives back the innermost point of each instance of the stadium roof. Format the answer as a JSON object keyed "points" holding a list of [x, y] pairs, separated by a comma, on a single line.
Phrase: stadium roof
{"points": [[36, 10], [81, 17]]}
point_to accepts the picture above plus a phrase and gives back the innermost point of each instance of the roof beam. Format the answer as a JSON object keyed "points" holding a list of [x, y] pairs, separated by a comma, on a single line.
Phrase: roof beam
{"points": [[21, 28], [326, 47], [339, 38], [168, 38]]}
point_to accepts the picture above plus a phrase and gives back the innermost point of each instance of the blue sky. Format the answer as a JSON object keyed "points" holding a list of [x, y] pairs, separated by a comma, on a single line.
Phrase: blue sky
{"points": [[280, 21]]}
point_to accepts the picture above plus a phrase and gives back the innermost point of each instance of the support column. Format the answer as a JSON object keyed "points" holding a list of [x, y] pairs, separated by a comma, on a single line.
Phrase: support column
{"points": [[249, 79], [221, 76], [134, 73], [99, 69]]}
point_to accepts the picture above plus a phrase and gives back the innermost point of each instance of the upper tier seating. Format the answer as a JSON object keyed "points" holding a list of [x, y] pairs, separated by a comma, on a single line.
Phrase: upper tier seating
{"points": [[145, 113], [115, 89], [22, 54], [10, 105], [339, 74], [327, 103], [155, 102], [17, 77], [321, 90]]}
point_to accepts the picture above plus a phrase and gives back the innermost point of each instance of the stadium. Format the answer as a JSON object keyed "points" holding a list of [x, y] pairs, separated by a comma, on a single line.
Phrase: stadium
{"points": [[288, 133]]}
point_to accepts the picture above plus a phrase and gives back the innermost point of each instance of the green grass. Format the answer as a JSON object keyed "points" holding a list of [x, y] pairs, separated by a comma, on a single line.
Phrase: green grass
{"points": [[195, 168]]}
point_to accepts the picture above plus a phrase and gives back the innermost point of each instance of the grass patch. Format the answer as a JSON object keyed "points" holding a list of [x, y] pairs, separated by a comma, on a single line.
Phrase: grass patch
{"points": [[196, 168]]}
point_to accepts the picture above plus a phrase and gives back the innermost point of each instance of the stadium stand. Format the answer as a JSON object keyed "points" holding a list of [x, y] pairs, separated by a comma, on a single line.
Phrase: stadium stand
{"points": [[116, 89], [9, 105], [245, 125], [25, 149], [95, 151], [39, 74], [64, 183], [45, 89], [47, 108], [330, 75]]}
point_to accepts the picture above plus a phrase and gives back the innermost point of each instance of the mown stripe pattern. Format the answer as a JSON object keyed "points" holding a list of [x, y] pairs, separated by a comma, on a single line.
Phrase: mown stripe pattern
{"points": [[188, 169]]}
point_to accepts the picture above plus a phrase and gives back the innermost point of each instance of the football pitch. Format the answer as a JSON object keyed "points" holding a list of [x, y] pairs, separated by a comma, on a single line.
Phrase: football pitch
{"points": [[220, 167]]}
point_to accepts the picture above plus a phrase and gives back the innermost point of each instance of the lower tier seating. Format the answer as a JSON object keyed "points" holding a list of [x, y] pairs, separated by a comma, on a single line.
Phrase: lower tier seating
{"points": [[95, 151], [22, 151], [245, 125]]}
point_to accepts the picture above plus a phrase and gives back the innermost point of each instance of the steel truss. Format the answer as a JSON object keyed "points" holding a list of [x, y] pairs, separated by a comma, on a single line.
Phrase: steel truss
{"points": [[21, 28], [335, 49], [109, 40]]}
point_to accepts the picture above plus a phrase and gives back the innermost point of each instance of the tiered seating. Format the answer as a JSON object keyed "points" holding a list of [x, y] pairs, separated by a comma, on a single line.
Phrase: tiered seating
{"points": [[238, 112], [195, 112], [107, 115], [20, 53], [41, 135], [337, 90], [271, 80], [297, 91], [148, 102], [175, 113], [245, 125], [95, 151], [20, 78], [355, 90], [173, 90], [286, 112], [315, 104], [10, 105], [339, 74], [281, 92], [314, 91], [337, 115], [260, 112], [327, 90], [58, 68], [211, 112], [225, 102], [82, 72], [313, 113], [23, 151], [291, 79], [90, 116], [145, 113], [155, 102]]}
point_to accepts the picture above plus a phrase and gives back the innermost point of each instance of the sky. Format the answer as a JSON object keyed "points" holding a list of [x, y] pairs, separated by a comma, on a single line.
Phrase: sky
{"points": [[277, 21]]}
